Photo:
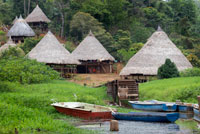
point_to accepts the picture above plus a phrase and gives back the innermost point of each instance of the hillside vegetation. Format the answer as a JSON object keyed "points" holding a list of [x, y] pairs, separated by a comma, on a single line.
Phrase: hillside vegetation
{"points": [[185, 89], [27, 107]]}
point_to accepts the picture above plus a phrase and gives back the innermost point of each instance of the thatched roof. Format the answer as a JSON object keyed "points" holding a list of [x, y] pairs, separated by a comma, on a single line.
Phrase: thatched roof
{"points": [[91, 49], [16, 18], [21, 28], [153, 54], [37, 15], [6, 46], [49, 50]]}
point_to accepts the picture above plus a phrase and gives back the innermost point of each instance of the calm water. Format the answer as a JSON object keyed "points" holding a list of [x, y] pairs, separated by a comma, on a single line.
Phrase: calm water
{"points": [[132, 127]]}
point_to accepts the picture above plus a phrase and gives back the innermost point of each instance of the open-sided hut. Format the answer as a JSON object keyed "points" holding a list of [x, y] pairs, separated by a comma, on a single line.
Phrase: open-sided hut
{"points": [[37, 19], [93, 56], [50, 51], [157, 49], [20, 30]]}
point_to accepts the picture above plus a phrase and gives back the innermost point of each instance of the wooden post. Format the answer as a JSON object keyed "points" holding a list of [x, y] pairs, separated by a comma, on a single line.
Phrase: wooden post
{"points": [[114, 126], [198, 98]]}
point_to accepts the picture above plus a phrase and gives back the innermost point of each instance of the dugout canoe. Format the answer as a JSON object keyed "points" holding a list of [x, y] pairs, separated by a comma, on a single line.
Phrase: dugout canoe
{"points": [[154, 105], [146, 116]]}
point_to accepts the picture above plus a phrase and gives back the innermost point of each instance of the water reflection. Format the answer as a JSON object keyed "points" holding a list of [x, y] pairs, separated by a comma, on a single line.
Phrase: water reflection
{"points": [[132, 127]]}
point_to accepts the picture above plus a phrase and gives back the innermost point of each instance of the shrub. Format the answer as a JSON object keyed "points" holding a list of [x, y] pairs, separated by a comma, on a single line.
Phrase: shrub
{"points": [[12, 52], [190, 72], [25, 71], [29, 43], [168, 70]]}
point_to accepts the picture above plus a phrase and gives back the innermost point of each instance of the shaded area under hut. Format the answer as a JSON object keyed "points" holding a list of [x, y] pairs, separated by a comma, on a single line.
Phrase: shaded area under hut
{"points": [[93, 56], [38, 20], [50, 51], [20, 30], [145, 63]]}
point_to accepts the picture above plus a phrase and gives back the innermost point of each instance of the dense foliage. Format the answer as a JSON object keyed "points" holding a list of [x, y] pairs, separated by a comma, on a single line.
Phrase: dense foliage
{"points": [[168, 70], [190, 72], [118, 24], [25, 71]]}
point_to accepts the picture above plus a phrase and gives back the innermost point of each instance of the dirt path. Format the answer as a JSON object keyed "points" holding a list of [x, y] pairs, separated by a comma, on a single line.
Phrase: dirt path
{"points": [[94, 80]]}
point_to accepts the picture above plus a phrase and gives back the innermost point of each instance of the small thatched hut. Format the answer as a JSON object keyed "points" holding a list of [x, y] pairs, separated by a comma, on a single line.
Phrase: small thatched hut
{"points": [[20, 30], [50, 51], [37, 19], [6, 46], [93, 56], [146, 61]]}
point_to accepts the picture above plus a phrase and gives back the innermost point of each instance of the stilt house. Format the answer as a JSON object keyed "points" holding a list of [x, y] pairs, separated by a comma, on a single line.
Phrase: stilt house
{"points": [[50, 51], [37, 19], [93, 56], [145, 63], [20, 30]]}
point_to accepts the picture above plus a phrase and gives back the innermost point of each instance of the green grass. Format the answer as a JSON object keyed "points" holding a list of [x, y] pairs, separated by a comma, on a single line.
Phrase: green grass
{"points": [[185, 89], [27, 107]]}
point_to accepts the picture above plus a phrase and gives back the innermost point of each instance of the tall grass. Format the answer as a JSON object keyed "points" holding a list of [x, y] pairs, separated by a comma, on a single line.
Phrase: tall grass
{"points": [[27, 107], [185, 89]]}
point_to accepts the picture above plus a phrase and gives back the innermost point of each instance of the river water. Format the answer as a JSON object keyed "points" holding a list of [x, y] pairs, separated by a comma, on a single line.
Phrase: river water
{"points": [[132, 127]]}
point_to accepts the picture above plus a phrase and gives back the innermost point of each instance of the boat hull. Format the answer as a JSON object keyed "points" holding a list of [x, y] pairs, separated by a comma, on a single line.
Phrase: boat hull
{"points": [[154, 107], [147, 117], [184, 108], [196, 114]]}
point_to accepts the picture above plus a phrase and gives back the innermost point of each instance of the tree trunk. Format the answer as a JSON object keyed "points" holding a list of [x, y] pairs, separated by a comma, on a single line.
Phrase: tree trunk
{"points": [[24, 8], [62, 19], [29, 4]]}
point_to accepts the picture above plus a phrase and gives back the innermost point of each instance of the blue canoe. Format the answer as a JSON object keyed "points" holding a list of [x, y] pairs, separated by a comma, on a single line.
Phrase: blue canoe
{"points": [[196, 114], [146, 116], [184, 108], [154, 106]]}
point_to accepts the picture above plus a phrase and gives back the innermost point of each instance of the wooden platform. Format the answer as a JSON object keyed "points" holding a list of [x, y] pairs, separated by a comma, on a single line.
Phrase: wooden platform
{"points": [[123, 90]]}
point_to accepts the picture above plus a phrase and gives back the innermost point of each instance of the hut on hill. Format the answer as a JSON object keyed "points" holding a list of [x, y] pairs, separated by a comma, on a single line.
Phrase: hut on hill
{"points": [[145, 63], [93, 56], [50, 51], [20, 30], [37, 19]]}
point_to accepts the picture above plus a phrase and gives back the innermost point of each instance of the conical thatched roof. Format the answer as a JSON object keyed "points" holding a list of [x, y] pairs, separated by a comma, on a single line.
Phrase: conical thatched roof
{"points": [[37, 15], [21, 28], [49, 50], [153, 54], [91, 49], [16, 18], [6, 46]]}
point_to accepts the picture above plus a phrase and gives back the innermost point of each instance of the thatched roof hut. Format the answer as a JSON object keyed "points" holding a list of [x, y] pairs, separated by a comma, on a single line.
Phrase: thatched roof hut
{"points": [[37, 15], [19, 30], [153, 54], [91, 49], [50, 51], [6, 46]]}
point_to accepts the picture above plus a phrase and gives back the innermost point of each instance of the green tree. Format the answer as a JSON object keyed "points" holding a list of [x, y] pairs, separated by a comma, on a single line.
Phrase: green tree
{"points": [[82, 23], [168, 70]]}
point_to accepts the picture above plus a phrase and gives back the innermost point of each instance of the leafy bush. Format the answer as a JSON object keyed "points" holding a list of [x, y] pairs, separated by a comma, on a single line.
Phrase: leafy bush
{"points": [[25, 71], [168, 70], [7, 86], [190, 72], [12, 52], [29, 43]]}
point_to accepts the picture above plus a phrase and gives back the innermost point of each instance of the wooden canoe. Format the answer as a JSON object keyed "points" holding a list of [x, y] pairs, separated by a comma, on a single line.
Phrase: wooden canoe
{"points": [[146, 116], [154, 105], [84, 110]]}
